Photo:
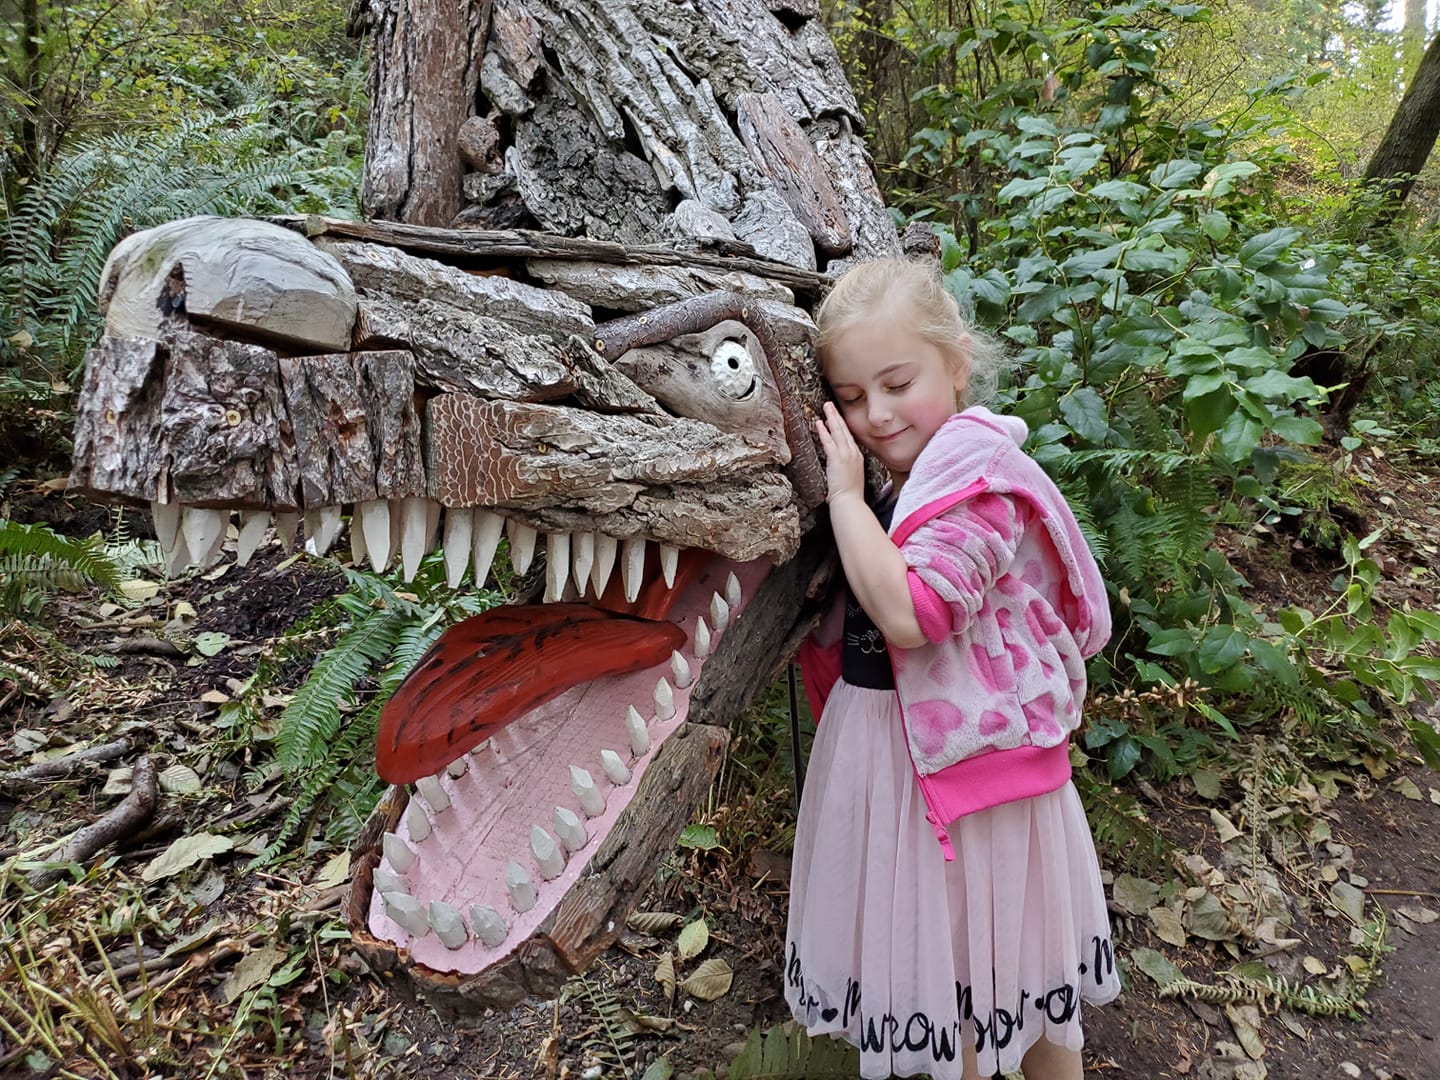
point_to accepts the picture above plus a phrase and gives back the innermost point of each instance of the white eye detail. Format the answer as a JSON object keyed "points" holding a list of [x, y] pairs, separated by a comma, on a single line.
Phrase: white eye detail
{"points": [[734, 369]]}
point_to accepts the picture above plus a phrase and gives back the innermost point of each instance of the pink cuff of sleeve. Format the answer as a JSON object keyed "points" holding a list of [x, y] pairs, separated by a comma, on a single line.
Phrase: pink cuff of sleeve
{"points": [[930, 611]]}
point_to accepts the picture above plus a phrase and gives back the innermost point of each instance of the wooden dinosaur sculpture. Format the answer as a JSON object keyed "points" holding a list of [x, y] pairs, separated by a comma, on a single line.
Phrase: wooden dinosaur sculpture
{"points": [[578, 319]]}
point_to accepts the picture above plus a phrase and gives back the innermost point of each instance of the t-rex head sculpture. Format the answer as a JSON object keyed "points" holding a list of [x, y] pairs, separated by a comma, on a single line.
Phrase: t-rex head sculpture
{"points": [[619, 387]]}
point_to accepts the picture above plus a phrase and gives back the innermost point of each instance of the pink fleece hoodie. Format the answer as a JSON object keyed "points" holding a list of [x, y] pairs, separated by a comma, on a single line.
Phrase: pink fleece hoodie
{"points": [[1012, 604]]}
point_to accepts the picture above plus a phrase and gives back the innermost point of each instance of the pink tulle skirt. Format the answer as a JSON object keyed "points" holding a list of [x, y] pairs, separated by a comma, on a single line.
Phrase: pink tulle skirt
{"points": [[907, 956]]}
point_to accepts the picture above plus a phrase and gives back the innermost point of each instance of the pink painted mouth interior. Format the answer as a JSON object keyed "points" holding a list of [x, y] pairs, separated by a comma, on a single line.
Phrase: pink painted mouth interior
{"points": [[520, 775]]}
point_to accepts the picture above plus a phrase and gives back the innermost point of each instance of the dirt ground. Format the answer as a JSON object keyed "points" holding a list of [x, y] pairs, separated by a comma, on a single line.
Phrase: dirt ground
{"points": [[1380, 835]]}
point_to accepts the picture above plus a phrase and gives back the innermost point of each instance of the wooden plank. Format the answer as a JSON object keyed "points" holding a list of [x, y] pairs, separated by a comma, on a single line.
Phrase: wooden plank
{"points": [[782, 151], [117, 421], [497, 246], [384, 272], [356, 430], [223, 418], [466, 352]]}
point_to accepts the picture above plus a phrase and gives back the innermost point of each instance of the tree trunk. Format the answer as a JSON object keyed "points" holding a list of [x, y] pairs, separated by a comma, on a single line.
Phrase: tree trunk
{"points": [[424, 77], [1411, 134]]}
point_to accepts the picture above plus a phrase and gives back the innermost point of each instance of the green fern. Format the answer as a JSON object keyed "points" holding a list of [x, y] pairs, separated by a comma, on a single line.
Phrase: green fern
{"points": [[70, 218], [35, 562], [613, 1042], [1120, 827], [786, 1052], [326, 735]]}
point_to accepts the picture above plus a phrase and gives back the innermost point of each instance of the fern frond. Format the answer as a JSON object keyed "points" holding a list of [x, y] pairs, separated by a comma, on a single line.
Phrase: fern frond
{"points": [[617, 1049], [312, 718], [786, 1052], [1121, 827]]}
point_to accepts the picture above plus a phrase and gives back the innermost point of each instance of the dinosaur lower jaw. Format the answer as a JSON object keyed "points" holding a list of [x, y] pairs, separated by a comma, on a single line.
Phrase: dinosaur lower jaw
{"points": [[478, 861]]}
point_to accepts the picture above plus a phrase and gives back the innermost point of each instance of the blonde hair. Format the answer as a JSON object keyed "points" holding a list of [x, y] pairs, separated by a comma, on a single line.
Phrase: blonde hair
{"points": [[869, 288]]}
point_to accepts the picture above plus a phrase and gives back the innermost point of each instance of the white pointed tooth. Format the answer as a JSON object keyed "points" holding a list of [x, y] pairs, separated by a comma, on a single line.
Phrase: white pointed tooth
{"points": [[548, 856], [632, 566], [583, 785], [669, 560], [357, 539], [253, 526], [681, 669], [416, 822], [483, 748], [664, 700], [719, 612], [488, 926], [408, 912], [459, 528], [635, 728], [520, 886], [606, 548], [570, 829], [166, 517], [614, 768], [414, 533], [398, 854], [732, 591], [285, 526], [702, 638], [449, 927], [457, 767], [374, 515], [522, 544], [433, 793], [386, 880], [175, 554], [322, 526], [486, 530], [582, 556], [204, 531], [557, 566], [432, 524]]}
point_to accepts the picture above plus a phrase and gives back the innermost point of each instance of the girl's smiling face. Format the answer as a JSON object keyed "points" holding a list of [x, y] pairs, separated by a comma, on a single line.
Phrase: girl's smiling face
{"points": [[895, 388]]}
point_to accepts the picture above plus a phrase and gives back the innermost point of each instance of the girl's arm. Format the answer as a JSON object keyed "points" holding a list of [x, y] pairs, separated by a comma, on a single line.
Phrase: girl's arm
{"points": [[874, 568]]}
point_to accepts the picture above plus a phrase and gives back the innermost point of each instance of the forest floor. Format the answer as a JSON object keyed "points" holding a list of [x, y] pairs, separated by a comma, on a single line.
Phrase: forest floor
{"points": [[1323, 864]]}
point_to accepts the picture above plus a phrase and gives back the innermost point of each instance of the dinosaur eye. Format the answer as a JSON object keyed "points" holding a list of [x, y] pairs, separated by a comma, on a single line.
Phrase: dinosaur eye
{"points": [[734, 369]]}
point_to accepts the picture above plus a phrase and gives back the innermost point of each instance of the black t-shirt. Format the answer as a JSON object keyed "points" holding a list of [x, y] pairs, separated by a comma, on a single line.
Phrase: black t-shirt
{"points": [[864, 657]]}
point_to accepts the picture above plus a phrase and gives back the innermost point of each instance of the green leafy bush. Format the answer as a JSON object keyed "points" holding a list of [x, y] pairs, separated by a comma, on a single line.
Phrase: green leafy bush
{"points": [[1166, 307]]}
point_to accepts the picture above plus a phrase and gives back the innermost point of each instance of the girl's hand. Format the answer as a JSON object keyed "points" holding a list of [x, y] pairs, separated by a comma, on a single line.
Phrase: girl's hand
{"points": [[844, 464]]}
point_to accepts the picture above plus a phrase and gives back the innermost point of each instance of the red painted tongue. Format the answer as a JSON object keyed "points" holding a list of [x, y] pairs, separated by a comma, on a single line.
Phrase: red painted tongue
{"points": [[494, 667]]}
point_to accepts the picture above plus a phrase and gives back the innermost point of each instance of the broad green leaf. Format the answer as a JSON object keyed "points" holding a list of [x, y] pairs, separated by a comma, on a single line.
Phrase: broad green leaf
{"points": [[1156, 966], [1119, 191], [1209, 412], [1084, 410], [1215, 224], [1263, 250], [1300, 430], [1022, 188], [1220, 647], [1174, 174]]}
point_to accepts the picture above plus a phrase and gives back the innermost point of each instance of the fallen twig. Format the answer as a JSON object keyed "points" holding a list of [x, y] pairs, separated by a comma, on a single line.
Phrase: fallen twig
{"points": [[64, 766], [150, 646], [130, 814]]}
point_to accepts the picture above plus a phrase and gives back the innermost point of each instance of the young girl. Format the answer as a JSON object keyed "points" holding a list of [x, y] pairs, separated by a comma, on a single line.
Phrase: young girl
{"points": [[946, 911]]}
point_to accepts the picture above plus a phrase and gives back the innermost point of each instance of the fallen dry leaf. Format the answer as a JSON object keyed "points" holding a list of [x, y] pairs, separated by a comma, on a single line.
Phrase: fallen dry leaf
{"points": [[665, 975], [709, 981]]}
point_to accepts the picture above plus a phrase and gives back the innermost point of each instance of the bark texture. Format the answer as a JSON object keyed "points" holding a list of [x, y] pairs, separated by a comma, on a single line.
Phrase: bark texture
{"points": [[424, 72], [1408, 140]]}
